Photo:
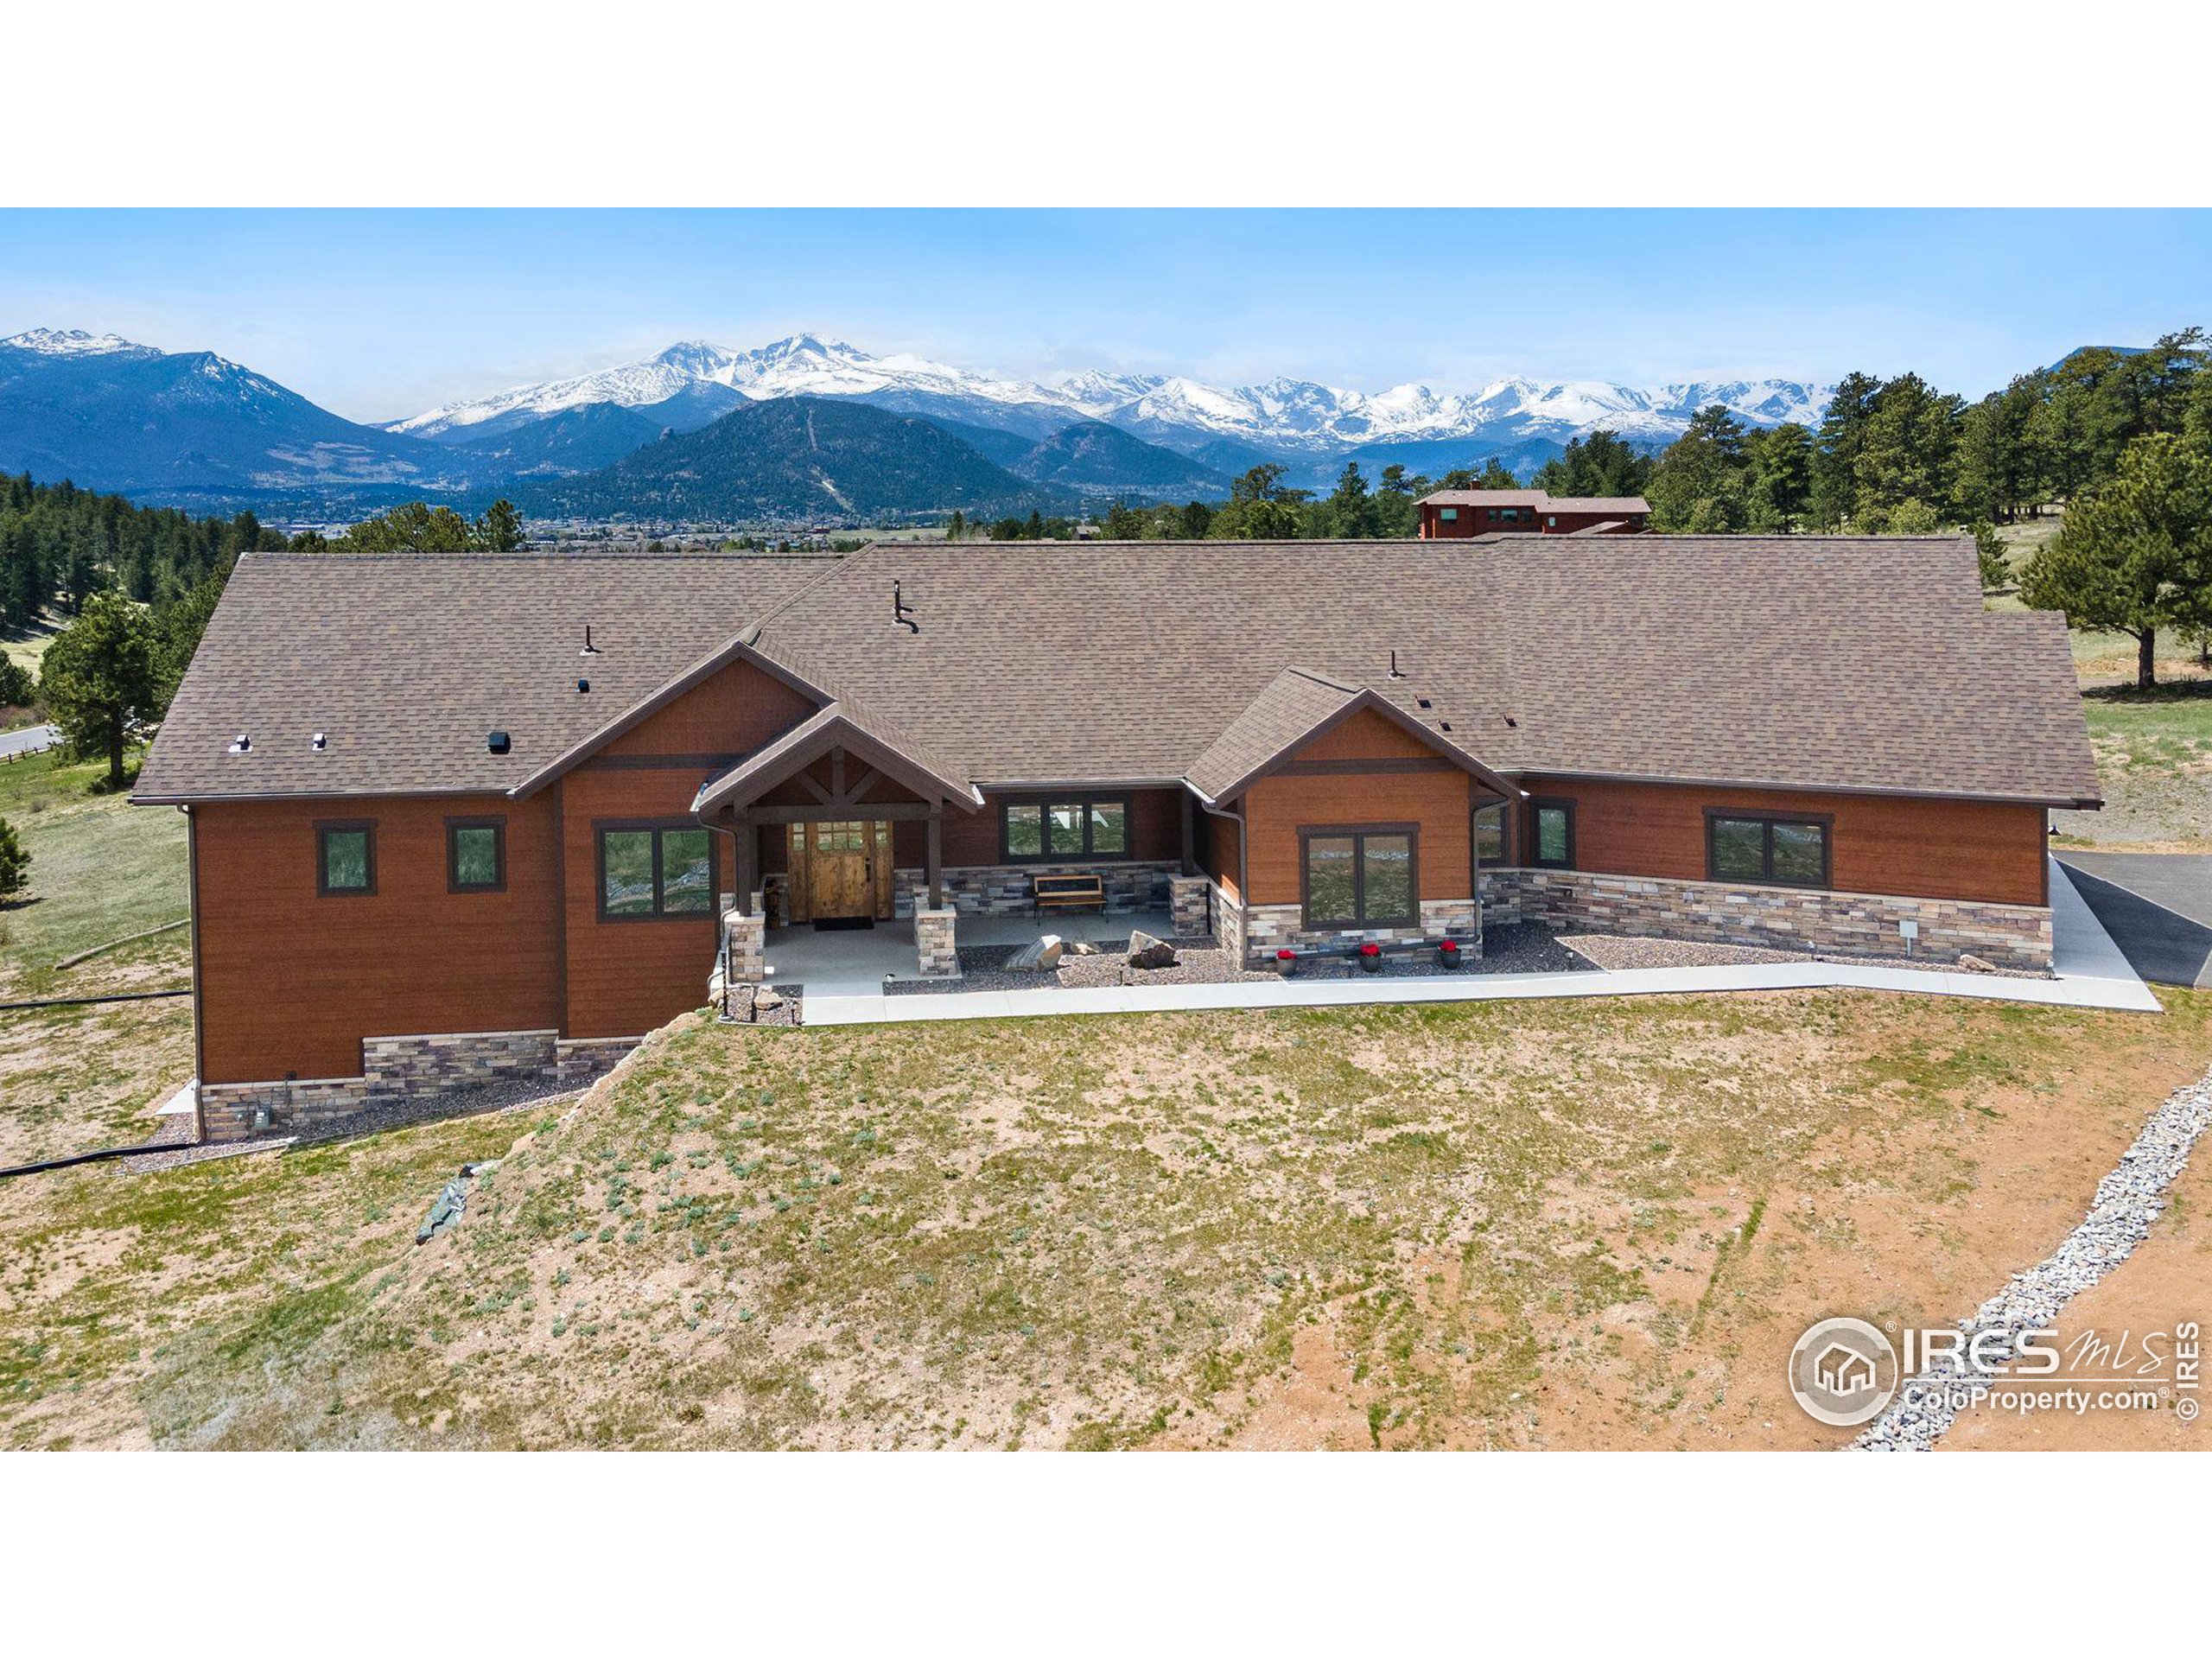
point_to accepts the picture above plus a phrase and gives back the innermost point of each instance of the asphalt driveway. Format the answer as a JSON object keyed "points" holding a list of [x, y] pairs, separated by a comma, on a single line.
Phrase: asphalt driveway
{"points": [[2157, 907], [29, 741]]}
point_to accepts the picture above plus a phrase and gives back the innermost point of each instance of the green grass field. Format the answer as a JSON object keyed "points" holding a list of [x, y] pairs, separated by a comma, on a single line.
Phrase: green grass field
{"points": [[100, 869]]}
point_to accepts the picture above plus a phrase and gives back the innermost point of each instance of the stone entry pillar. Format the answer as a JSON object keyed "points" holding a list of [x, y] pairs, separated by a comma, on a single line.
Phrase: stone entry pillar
{"points": [[933, 943], [1186, 903], [748, 933]]}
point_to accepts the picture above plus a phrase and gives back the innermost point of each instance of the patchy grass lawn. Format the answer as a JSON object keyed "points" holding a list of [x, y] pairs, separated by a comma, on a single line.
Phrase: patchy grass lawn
{"points": [[100, 869], [28, 645], [2154, 763], [1537, 1224]]}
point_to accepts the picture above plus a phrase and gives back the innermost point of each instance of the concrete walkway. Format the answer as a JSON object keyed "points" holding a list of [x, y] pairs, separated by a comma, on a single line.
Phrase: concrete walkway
{"points": [[2090, 973], [854, 962], [2157, 907]]}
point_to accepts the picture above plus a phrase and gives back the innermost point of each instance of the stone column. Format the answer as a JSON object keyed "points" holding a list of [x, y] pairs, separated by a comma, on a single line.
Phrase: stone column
{"points": [[748, 935], [1186, 903], [933, 943]]}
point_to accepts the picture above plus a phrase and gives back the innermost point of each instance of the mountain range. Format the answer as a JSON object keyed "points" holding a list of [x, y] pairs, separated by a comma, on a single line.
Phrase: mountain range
{"points": [[192, 427]]}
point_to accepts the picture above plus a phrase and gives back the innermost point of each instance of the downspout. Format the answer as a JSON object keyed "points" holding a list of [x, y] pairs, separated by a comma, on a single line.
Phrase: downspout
{"points": [[1243, 860], [721, 924], [199, 1024]]}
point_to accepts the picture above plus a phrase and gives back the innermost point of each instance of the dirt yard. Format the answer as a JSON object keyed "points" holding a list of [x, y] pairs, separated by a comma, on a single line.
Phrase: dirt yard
{"points": [[1515, 1226]]}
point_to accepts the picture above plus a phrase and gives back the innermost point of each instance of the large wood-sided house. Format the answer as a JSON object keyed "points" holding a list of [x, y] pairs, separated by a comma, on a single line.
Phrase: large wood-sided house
{"points": [[456, 817]]}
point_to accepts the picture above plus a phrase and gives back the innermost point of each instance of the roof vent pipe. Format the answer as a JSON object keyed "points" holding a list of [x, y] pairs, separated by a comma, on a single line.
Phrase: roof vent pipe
{"points": [[902, 613], [589, 650], [1394, 667]]}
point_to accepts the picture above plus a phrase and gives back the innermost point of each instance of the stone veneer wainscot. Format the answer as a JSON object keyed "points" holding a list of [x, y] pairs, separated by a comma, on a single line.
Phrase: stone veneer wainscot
{"points": [[1778, 918]]}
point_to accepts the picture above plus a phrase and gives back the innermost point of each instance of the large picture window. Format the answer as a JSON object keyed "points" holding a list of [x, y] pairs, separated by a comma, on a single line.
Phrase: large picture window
{"points": [[647, 870], [1070, 827], [345, 859], [1359, 877], [1771, 849]]}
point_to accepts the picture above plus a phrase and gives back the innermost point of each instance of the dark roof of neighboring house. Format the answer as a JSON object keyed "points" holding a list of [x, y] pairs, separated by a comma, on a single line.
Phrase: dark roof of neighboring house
{"points": [[1812, 661], [1536, 499]]}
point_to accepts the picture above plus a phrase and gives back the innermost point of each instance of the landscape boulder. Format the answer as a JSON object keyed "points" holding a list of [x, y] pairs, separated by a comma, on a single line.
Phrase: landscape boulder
{"points": [[1977, 965], [1145, 951], [1042, 957]]}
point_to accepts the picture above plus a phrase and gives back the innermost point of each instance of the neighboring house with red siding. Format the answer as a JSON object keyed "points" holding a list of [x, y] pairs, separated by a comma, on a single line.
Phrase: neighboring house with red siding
{"points": [[454, 818], [1505, 512]]}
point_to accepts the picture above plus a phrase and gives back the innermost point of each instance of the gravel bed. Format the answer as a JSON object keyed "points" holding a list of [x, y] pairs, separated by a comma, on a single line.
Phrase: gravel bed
{"points": [[787, 1002], [2128, 1201], [1614, 952]]}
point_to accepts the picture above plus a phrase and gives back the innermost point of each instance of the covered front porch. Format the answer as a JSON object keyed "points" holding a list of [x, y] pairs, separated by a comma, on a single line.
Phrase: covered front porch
{"points": [[859, 962]]}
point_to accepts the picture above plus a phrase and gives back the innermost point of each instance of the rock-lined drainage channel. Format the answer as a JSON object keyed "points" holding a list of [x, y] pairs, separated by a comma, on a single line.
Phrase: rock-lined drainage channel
{"points": [[2128, 1202]]}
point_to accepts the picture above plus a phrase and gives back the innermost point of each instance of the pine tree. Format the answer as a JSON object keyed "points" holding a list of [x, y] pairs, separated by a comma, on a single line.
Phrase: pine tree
{"points": [[97, 679], [2136, 553], [499, 530], [15, 862]]}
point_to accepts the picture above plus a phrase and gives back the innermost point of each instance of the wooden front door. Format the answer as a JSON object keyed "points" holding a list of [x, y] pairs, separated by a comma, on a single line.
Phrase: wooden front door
{"points": [[840, 869]]}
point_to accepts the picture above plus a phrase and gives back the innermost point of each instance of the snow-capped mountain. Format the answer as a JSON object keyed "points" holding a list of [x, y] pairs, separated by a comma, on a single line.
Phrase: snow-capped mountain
{"points": [[803, 365], [75, 342], [1297, 416], [114, 415]]}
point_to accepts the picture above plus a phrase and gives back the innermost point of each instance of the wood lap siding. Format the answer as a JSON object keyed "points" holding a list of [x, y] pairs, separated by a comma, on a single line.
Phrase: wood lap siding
{"points": [[1887, 845], [293, 981], [1439, 801]]}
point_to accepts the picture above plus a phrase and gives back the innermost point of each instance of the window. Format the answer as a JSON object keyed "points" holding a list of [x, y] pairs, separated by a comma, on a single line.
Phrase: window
{"points": [[1778, 851], [1511, 515], [1552, 824], [648, 870], [476, 854], [346, 859], [1552, 523], [1449, 515], [1490, 834], [1072, 827], [1359, 878]]}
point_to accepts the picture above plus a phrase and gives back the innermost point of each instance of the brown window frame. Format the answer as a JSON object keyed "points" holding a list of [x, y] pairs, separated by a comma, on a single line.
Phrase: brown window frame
{"points": [[1358, 834], [324, 829], [1824, 822], [497, 825], [1535, 859], [1045, 803], [601, 828]]}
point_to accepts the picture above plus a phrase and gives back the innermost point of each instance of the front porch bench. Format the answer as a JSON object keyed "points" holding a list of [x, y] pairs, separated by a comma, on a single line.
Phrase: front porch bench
{"points": [[1066, 893]]}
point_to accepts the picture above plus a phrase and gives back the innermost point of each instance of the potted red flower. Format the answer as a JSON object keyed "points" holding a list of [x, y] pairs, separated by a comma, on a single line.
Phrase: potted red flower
{"points": [[1286, 961], [1371, 957], [1447, 952]]}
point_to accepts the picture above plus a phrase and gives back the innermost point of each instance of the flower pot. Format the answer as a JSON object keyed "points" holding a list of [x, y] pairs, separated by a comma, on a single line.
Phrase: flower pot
{"points": [[1371, 958], [1448, 953], [1286, 963]]}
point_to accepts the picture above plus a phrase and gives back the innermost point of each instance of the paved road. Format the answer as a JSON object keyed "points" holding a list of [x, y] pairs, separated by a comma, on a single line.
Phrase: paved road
{"points": [[30, 738], [2157, 907]]}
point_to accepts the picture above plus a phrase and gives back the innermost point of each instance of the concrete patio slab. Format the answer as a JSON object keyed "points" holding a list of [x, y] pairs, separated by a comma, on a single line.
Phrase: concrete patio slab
{"points": [[2090, 973]]}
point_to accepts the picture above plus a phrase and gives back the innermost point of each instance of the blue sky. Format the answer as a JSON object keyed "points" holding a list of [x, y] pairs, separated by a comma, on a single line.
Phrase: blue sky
{"points": [[376, 314]]}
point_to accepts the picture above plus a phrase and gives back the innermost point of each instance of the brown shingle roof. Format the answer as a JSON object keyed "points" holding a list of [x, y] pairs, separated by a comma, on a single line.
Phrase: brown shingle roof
{"points": [[406, 662], [1821, 662], [1814, 662], [1296, 704]]}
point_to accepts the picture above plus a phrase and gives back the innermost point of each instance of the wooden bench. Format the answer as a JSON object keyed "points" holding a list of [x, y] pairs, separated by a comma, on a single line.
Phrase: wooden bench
{"points": [[1066, 893]]}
